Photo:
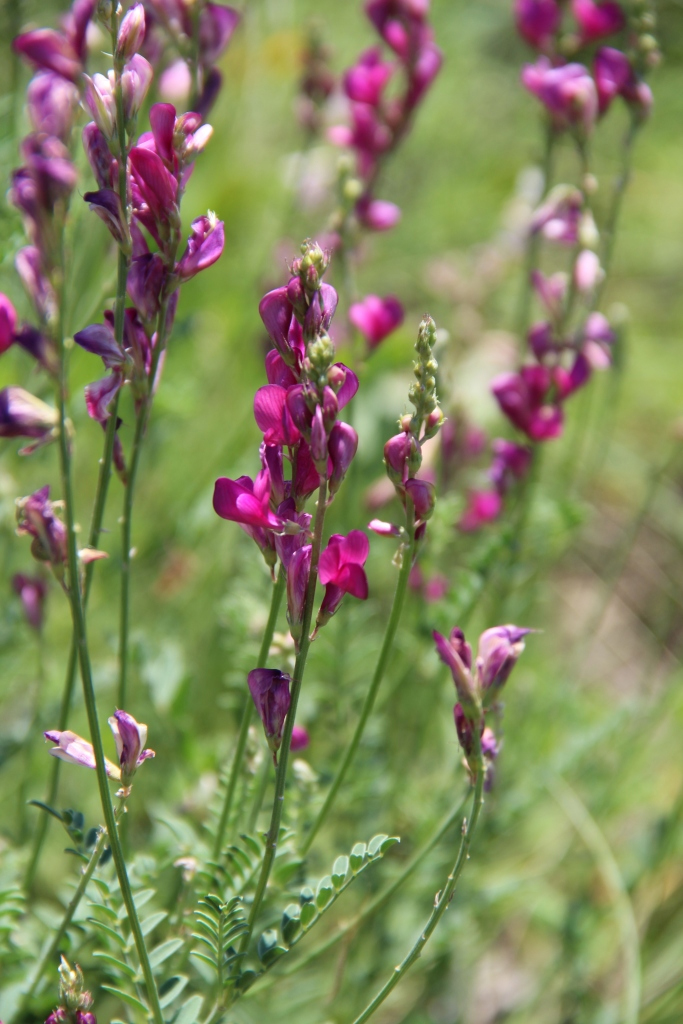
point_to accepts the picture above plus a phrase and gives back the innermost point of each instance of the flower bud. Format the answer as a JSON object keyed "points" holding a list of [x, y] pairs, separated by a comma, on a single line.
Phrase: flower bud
{"points": [[131, 33], [130, 738], [297, 583], [342, 447], [269, 689]]}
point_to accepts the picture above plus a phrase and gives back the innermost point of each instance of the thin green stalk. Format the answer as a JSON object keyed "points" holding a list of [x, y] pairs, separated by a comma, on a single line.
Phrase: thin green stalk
{"points": [[592, 836], [126, 551], [80, 635], [379, 901], [533, 242], [620, 184], [297, 679], [371, 695], [247, 714], [47, 957], [442, 899], [259, 797]]}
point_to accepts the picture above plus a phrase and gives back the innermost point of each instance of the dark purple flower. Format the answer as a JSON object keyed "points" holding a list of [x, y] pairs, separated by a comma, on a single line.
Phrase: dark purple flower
{"points": [[130, 738], [39, 346], [36, 518], [401, 454], [217, 23], [298, 572], [376, 318], [50, 51], [106, 203], [24, 415], [342, 446], [269, 689], [146, 278], [288, 542], [101, 341], [457, 654], [537, 21], [526, 400], [422, 493], [32, 590], [100, 158]]}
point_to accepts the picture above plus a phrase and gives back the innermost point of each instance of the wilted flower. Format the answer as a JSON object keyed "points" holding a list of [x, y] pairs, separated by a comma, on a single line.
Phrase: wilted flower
{"points": [[36, 518], [269, 690]]}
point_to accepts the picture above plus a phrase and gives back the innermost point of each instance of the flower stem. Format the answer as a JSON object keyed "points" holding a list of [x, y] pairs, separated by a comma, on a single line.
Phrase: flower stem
{"points": [[533, 242], [442, 899], [371, 695], [126, 552], [247, 714], [375, 904], [610, 226], [86, 875], [297, 679]]}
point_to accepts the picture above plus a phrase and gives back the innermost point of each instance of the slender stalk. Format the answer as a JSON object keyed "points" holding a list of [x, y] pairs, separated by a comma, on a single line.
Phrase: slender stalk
{"points": [[379, 901], [442, 899], [126, 552], [371, 695], [533, 242], [297, 679], [47, 957], [620, 185], [247, 714], [259, 797]]}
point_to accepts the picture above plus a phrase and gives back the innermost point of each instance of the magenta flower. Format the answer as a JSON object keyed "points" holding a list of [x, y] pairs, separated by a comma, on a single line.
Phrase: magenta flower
{"points": [[217, 23], [269, 689], [272, 413], [364, 83], [401, 454], [204, 246], [568, 92], [537, 21], [614, 76], [130, 738], [32, 591], [598, 339], [300, 738], [342, 446], [499, 650], [527, 400], [378, 214], [376, 318], [156, 187], [341, 571], [287, 543], [597, 20], [455, 652], [106, 203], [482, 507], [62, 52], [383, 529], [247, 502], [510, 461], [8, 323]]}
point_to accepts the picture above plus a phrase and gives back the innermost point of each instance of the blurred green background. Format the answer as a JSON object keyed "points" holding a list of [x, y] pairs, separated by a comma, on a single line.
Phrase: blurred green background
{"points": [[581, 835]]}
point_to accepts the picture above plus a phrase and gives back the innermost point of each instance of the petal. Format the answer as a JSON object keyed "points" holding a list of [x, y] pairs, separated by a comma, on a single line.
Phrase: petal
{"points": [[354, 548], [349, 387], [352, 580]]}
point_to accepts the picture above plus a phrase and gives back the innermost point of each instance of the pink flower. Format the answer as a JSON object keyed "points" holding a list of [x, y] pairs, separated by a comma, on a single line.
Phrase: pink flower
{"points": [[8, 323], [300, 738], [378, 214], [568, 92], [614, 76], [204, 246], [74, 749], [246, 501], [482, 507], [526, 399], [376, 318], [597, 20], [364, 83], [558, 218], [273, 415]]}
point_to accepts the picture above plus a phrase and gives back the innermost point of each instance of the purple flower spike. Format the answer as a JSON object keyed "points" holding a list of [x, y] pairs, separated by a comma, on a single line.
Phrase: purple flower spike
{"points": [[32, 590], [537, 21], [376, 318], [300, 738], [73, 748], [597, 20], [269, 689], [342, 447], [158, 187], [482, 507], [298, 573], [130, 738], [204, 246]]}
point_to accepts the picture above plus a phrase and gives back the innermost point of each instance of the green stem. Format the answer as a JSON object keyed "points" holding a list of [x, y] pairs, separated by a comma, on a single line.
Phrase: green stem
{"points": [[442, 899], [533, 243], [67, 918], [379, 901], [80, 637], [259, 797], [620, 185], [247, 714], [297, 679], [126, 551], [369, 702]]}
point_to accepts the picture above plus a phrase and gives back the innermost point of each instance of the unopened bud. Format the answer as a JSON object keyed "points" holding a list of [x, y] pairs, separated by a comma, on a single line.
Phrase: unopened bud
{"points": [[131, 33]]}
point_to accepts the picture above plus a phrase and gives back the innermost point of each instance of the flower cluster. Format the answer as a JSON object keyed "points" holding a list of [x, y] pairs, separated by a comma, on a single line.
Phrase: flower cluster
{"points": [[478, 687], [304, 446], [379, 121], [187, 39], [403, 452], [572, 339]]}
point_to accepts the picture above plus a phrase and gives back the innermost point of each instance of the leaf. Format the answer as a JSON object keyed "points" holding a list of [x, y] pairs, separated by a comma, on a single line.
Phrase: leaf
{"points": [[266, 943], [142, 897], [107, 911], [113, 962], [133, 1001], [308, 913], [109, 932], [291, 922], [204, 957], [358, 856], [306, 895], [164, 951], [253, 844], [339, 871], [324, 892], [375, 845], [171, 989], [284, 873], [150, 923], [47, 809], [189, 1011]]}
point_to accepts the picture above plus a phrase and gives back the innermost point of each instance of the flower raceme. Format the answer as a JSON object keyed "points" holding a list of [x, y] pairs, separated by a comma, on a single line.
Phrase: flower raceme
{"points": [[130, 737]]}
